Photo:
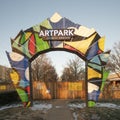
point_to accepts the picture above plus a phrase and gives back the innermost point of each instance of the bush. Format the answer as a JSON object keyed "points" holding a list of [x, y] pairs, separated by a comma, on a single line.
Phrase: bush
{"points": [[8, 97]]}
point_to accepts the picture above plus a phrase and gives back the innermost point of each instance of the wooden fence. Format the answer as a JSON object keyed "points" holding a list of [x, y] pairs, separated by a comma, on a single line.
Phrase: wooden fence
{"points": [[58, 90], [116, 93], [6, 87]]}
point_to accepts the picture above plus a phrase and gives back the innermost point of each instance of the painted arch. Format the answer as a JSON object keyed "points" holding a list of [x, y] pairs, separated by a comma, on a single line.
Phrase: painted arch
{"points": [[87, 43]]}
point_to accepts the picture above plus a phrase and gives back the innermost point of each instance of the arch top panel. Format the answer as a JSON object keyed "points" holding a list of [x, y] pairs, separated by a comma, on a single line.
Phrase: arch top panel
{"points": [[56, 32]]}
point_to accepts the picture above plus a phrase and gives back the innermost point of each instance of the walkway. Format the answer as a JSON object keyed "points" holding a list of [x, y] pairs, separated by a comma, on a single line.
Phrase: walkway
{"points": [[59, 111]]}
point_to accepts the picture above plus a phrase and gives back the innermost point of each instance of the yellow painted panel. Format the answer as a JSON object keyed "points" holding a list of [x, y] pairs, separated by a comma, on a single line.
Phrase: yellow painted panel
{"points": [[82, 45], [27, 35], [93, 74], [15, 77], [101, 43]]}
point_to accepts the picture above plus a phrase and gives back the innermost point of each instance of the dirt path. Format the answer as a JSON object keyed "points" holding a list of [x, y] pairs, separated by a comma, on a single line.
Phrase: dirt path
{"points": [[59, 111]]}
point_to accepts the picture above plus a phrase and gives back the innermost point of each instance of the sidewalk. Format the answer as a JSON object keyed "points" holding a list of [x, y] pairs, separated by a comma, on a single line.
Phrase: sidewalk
{"points": [[59, 111]]}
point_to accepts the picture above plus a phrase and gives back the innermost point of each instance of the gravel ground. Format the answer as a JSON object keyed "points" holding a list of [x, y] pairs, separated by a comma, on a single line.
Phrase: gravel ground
{"points": [[97, 114], [20, 113]]}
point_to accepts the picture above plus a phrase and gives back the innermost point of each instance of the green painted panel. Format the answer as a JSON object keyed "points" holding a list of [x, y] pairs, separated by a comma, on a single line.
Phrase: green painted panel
{"points": [[40, 44], [23, 95]]}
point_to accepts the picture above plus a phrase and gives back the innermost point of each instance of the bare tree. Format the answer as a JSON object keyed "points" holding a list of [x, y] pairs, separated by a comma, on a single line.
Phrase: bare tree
{"points": [[66, 75], [114, 60], [74, 70], [43, 70]]}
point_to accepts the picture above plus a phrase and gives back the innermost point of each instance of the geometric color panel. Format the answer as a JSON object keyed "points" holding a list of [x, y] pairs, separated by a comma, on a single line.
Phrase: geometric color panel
{"points": [[92, 74], [95, 67]]}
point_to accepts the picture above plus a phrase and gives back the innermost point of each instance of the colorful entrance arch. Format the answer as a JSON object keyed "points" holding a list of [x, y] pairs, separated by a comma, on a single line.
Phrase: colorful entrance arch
{"points": [[59, 32]]}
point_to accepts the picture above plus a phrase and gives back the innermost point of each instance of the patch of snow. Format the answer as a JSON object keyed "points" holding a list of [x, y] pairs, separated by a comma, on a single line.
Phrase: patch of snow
{"points": [[41, 106], [82, 105], [75, 115], [36, 106], [10, 106], [58, 106], [109, 105]]}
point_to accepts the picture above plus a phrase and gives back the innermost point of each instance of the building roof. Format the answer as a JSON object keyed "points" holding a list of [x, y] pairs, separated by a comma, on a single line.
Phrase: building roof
{"points": [[114, 77]]}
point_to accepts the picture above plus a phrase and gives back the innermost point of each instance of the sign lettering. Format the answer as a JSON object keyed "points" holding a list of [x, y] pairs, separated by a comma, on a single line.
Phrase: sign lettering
{"points": [[56, 34]]}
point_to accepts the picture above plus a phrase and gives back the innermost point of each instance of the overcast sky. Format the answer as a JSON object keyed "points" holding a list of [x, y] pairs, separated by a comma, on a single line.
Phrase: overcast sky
{"points": [[102, 15]]}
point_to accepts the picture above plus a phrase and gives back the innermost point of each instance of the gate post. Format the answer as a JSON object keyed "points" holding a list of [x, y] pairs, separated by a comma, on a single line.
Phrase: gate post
{"points": [[86, 83], [31, 86]]}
